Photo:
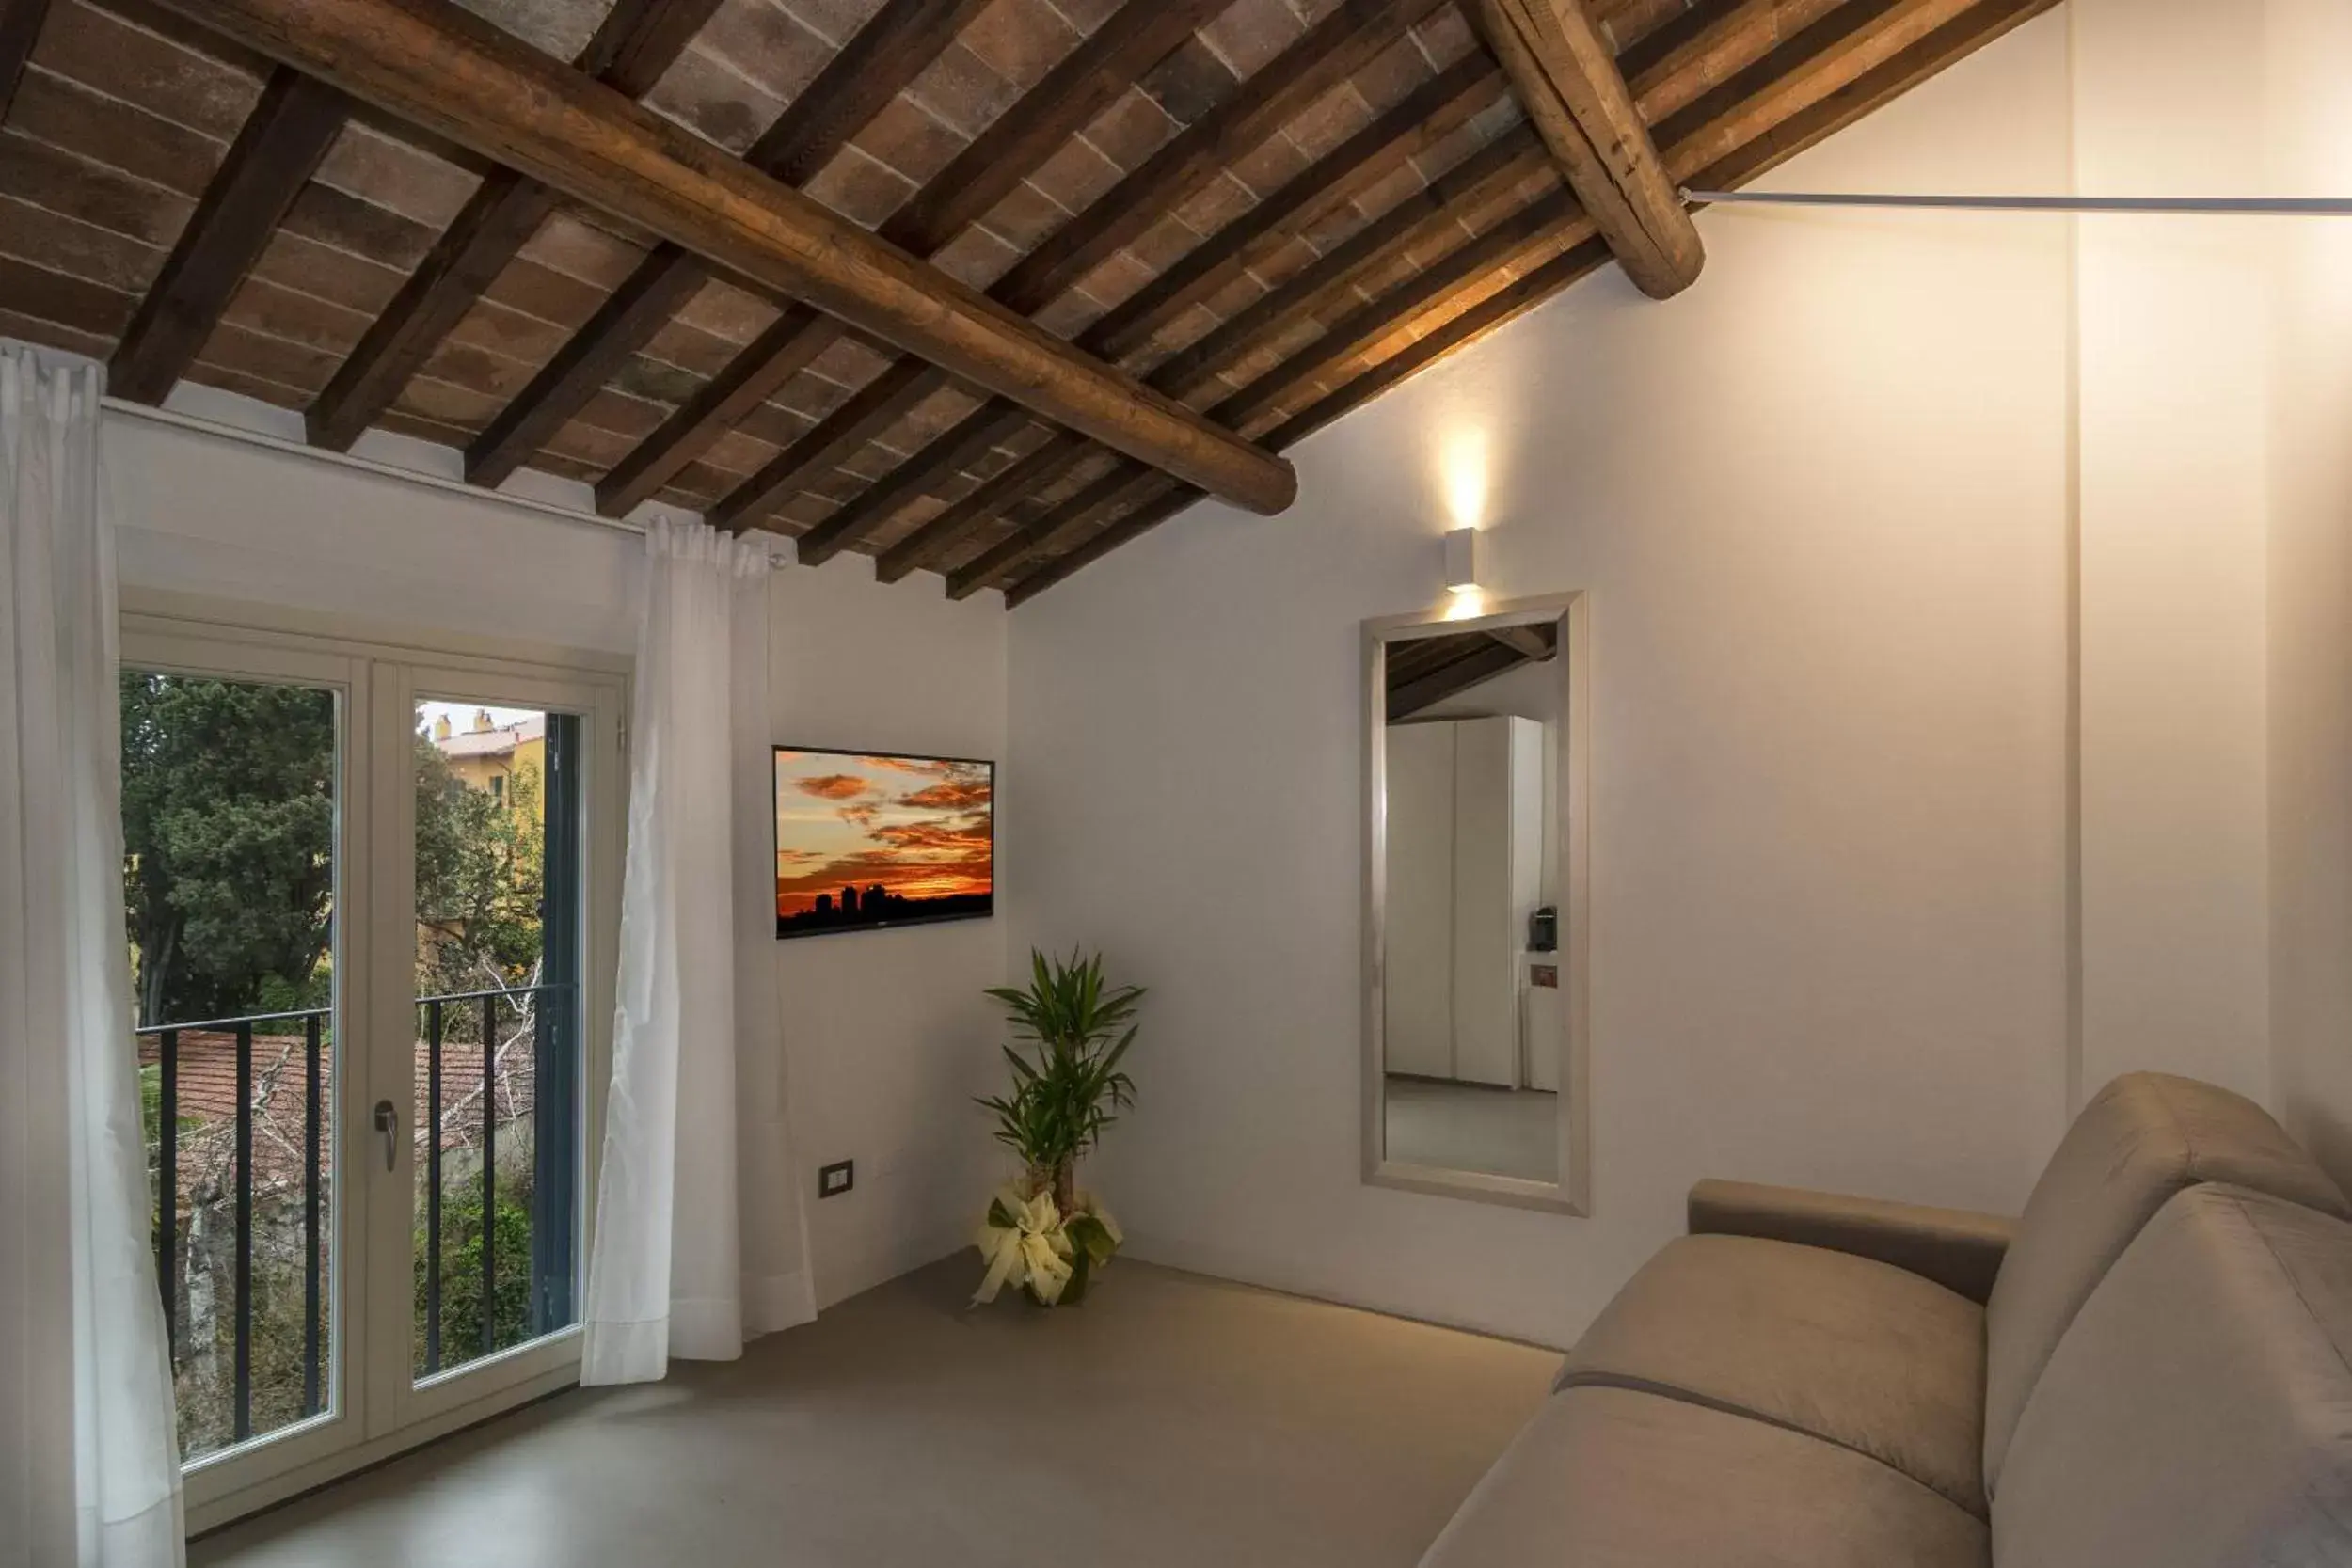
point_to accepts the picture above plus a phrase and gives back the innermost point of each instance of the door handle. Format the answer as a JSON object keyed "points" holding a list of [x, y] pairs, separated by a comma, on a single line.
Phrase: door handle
{"points": [[388, 1123]]}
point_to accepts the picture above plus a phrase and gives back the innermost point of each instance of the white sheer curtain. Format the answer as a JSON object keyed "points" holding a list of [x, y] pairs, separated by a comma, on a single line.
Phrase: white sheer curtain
{"points": [[90, 1474], [700, 1239]]}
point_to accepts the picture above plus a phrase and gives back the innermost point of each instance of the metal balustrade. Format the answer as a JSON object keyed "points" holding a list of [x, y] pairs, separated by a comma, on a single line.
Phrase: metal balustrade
{"points": [[547, 1011]]}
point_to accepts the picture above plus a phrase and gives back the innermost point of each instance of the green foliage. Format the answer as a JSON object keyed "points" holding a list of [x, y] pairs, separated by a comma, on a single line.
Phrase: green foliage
{"points": [[461, 1268], [228, 823], [481, 871], [1067, 1086], [229, 830]]}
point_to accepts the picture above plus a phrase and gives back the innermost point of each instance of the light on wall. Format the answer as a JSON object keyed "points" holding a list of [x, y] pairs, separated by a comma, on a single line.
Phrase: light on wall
{"points": [[1463, 467], [1461, 574]]}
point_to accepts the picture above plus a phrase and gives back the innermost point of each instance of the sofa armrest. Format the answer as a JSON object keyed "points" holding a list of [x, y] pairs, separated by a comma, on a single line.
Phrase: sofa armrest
{"points": [[1958, 1249]]}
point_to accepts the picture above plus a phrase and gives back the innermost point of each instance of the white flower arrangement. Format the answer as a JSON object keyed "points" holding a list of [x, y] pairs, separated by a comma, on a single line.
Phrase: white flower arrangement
{"points": [[1031, 1246]]}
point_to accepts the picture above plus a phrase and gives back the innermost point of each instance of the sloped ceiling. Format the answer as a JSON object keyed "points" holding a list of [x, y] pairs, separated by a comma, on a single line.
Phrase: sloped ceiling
{"points": [[1272, 210]]}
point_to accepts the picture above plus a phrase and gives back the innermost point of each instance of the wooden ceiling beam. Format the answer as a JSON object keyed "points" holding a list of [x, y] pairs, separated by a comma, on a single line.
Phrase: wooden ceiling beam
{"points": [[1859, 63], [1127, 484], [1531, 644], [1323, 57], [1716, 54], [785, 348], [282, 145], [1505, 305], [1531, 228], [1507, 158], [1837, 72], [467, 79], [903, 386], [1093, 77], [637, 41], [1824, 67], [1734, 43], [1481, 663], [1437, 109], [887, 53], [1087, 81], [1433, 111], [1127, 530], [1578, 101], [973, 437], [1025, 476], [1350, 37], [1326, 56], [1333, 276], [20, 26]]}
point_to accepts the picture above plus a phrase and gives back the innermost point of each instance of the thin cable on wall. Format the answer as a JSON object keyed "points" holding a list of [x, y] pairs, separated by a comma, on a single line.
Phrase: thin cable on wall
{"points": [[2149, 206]]}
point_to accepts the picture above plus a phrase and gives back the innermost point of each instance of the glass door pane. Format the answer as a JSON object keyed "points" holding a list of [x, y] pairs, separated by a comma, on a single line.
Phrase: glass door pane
{"points": [[231, 794], [497, 957]]}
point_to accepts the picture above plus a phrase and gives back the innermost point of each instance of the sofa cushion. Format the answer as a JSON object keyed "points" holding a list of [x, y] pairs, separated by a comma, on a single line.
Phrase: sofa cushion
{"points": [[1612, 1478], [2144, 1137], [2198, 1413], [1848, 1350]]}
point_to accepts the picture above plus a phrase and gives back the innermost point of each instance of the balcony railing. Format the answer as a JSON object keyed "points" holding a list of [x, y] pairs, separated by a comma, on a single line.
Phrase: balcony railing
{"points": [[550, 1304], [313, 1024], [241, 1115]]}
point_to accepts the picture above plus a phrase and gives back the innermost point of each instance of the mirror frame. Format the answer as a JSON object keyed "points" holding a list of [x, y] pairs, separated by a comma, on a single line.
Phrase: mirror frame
{"points": [[1572, 1193]]}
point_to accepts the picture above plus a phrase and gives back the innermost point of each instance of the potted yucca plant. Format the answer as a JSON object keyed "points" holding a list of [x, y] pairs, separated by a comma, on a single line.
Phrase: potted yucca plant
{"points": [[1072, 1029]]}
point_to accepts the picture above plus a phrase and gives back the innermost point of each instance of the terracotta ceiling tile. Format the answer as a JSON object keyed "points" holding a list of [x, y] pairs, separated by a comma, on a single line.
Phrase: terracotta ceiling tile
{"points": [[860, 189], [1250, 33], [715, 103], [1264, 170], [767, 46], [1019, 39], [65, 114], [36, 172], [727, 312], [84, 250], [367, 164], [838, 20], [975, 256], [960, 89], [558, 27], [1024, 218], [1075, 177], [334, 217], [1131, 130], [909, 141], [1190, 82], [1328, 121], [140, 67]]}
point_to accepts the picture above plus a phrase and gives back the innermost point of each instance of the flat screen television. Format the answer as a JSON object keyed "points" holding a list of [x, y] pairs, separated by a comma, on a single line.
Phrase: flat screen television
{"points": [[864, 842]]}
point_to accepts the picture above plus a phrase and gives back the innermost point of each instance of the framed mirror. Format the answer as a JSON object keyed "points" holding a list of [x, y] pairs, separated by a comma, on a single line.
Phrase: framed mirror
{"points": [[1476, 903]]}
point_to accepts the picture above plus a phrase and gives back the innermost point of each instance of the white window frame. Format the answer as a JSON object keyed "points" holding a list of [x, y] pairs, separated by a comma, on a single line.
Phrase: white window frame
{"points": [[380, 669]]}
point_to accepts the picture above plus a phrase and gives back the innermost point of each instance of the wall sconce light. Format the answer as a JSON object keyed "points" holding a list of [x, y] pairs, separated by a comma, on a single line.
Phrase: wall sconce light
{"points": [[1461, 574], [1461, 561]]}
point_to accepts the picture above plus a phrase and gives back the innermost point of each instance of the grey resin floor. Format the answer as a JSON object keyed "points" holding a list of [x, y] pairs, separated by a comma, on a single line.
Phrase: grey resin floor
{"points": [[1171, 1420]]}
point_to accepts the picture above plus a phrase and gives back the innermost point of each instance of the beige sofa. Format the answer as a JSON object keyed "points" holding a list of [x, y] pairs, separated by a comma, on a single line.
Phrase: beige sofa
{"points": [[2151, 1367]]}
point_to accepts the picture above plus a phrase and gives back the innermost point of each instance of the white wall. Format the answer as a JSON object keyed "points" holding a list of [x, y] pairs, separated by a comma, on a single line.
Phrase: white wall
{"points": [[2173, 421], [1821, 504], [890, 1036], [2310, 584], [887, 1032]]}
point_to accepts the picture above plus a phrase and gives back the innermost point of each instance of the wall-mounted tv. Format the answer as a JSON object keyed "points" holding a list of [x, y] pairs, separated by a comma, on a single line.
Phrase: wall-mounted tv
{"points": [[864, 842]]}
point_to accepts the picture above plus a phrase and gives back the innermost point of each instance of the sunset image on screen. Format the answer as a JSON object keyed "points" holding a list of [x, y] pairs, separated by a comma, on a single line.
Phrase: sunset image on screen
{"points": [[866, 840]]}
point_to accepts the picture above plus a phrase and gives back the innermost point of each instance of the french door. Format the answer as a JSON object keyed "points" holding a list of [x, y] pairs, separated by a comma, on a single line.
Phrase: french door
{"points": [[372, 893]]}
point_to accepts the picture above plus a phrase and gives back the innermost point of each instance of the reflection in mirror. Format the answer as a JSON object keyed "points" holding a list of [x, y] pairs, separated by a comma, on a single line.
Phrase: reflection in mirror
{"points": [[1472, 1034]]}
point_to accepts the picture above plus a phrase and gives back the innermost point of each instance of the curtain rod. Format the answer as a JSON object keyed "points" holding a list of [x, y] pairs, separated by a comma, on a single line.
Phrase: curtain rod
{"points": [[363, 465], [2157, 206]]}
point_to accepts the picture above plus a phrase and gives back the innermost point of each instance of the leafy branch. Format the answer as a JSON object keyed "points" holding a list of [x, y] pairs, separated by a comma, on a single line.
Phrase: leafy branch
{"points": [[1074, 1030]]}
